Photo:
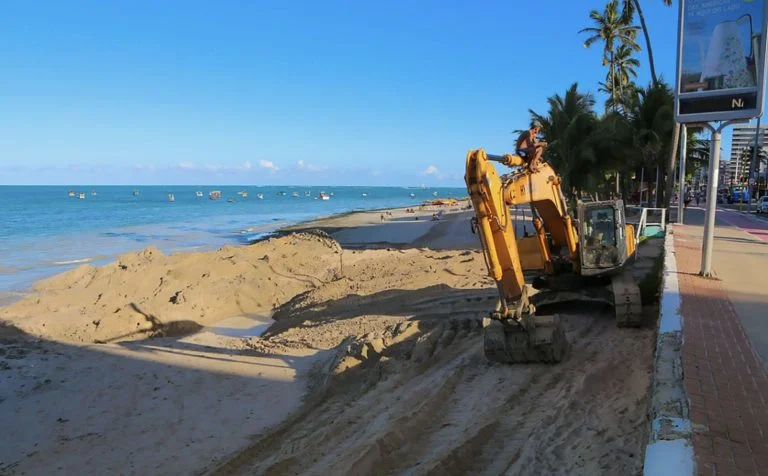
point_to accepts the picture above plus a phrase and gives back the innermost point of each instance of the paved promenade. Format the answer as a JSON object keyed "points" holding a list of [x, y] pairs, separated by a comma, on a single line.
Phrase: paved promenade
{"points": [[725, 342]]}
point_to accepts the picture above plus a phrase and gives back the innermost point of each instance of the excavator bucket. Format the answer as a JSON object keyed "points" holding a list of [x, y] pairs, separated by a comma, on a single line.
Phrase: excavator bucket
{"points": [[509, 342], [523, 337]]}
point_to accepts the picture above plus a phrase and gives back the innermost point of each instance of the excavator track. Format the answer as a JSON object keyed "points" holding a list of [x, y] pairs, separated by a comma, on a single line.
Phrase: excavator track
{"points": [[627, 303]]}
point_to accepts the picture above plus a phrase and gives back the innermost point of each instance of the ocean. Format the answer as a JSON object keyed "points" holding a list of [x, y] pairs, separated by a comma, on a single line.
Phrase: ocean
{"points": [[44, 231]]}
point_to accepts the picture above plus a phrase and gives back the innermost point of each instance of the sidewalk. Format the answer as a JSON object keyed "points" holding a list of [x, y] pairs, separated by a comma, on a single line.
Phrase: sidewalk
{"points": [[725, 322]]}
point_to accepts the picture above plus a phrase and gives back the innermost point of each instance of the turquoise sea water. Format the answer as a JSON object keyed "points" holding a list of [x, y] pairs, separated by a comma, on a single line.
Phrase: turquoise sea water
{"points": [[43, 231]]}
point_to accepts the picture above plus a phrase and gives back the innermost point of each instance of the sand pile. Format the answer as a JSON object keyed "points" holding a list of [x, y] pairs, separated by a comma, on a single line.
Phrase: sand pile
{"points": [[150, 294], [374, 365]]}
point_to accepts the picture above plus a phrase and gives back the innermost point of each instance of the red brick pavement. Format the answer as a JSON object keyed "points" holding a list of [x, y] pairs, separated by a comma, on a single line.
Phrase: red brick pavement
{"points": [[726, 384]]}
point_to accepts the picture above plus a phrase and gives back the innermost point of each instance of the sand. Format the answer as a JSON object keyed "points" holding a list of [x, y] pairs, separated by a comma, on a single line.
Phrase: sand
{"points": [[372, 363]]}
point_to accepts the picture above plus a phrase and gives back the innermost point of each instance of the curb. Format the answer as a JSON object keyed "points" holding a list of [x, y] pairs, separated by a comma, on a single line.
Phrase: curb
{"points": [[669, 450]]}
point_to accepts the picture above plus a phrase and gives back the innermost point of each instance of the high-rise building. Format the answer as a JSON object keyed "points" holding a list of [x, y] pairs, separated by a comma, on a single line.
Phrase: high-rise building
{"points": [[742, 141]]}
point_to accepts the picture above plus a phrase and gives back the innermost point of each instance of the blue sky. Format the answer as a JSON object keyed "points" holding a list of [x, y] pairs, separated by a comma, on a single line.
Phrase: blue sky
{"points": [[285, 92]]}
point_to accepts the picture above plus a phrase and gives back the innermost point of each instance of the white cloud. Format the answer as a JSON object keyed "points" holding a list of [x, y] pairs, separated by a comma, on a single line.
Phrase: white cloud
{"points": [[431, 170], [375, 172], [187, 166], [266, 164], [310, 167], [244, 167]]}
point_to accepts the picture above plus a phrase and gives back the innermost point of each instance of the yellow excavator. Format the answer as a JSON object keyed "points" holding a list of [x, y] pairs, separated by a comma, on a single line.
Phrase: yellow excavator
{"points": [[581, 258]]}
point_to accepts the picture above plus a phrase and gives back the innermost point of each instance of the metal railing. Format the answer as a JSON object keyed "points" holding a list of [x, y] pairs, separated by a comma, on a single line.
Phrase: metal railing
{"points": [[644, 222]]}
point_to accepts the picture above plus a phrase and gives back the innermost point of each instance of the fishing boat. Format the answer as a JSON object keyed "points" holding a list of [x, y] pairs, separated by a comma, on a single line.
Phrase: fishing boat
{"points": [[93, 193], [295, 194], [81, 195], [260, 196], [135, 193], [364, 194], [307, 194], [171, 198], [214, 195], [198, 194], [434, 194], [324, 196], [243, 193], [412, 195], [71, 193], [281, 193]]}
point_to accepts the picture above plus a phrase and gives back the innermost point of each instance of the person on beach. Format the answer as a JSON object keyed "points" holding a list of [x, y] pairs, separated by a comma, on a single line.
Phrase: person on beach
{"points": [[529, 147]]}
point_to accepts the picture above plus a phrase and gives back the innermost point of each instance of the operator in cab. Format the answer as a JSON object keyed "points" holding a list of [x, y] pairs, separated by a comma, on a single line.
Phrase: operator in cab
{"points": [[529, 147]]}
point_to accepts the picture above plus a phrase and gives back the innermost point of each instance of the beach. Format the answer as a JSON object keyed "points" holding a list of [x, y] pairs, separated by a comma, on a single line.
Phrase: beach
{"points": [[345, 345]]}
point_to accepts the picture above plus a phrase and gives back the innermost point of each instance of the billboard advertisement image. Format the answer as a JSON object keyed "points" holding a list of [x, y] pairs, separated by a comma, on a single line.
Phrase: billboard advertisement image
{"points": [[720, 59]]}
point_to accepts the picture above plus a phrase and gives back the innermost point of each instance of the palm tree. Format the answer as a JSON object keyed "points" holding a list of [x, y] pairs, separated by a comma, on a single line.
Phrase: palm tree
{"points": [[653, 121], [612, 29], [629, 8], [626, 89], [625, 65], [569, 128]]}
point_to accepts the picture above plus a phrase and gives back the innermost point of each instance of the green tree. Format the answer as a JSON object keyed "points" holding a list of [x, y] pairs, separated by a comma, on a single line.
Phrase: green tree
{"points": [[614, 31]]}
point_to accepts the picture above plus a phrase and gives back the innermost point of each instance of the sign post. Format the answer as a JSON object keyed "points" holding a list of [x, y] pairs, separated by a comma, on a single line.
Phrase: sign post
{"points": [[720, 78]]}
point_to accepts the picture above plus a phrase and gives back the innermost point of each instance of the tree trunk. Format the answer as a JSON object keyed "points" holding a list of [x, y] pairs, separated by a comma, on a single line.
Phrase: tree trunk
{"points": [[671, 164], [647, 42], [613, 81]]}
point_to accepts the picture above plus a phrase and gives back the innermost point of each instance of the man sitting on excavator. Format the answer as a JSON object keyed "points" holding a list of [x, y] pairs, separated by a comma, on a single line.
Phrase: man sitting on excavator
{"points": [[529, 147]]}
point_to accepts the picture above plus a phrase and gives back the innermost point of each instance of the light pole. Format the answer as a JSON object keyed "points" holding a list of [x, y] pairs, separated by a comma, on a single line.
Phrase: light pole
{"points": [[683, 145]]}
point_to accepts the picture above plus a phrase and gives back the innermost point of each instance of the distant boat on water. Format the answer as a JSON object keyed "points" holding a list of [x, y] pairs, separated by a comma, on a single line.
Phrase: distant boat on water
{"points": [[171, 198], [81, 195], [281, 193], [364, 194], [71, 193], [324, 196], [198, 194], [243, 193], [214, 195], [93, 193], [230, 200], [434, 194], [295, 194], [260, 196], [412, 195], [135, 193]]}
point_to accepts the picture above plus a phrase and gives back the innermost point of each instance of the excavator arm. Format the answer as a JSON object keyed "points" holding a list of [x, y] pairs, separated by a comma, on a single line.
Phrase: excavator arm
{"points": [[492, 196], [513, 333]]}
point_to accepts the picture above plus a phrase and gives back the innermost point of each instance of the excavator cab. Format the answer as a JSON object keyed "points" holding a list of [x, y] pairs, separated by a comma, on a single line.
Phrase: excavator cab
{"points": [[605, 245]]}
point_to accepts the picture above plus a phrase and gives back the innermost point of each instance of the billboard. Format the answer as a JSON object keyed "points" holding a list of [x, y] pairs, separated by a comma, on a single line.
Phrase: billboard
{"points": [[720, 60]]}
